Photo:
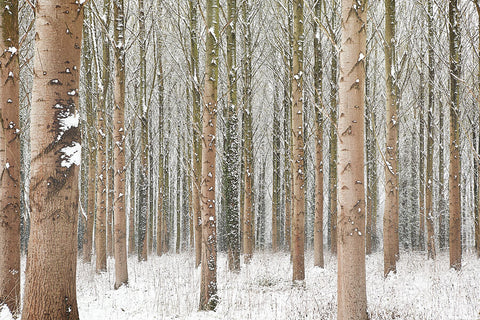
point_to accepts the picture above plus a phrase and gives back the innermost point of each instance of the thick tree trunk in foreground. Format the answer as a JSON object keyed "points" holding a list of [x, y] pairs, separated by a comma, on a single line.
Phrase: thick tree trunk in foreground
{"points": [[298, 170], [208, 286], [9, 158], [352, 297], [455, 235], [120, 228], [50, 290], [390, 219]]}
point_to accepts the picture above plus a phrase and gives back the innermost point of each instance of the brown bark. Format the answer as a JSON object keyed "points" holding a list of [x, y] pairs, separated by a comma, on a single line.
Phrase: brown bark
{"points": [[101, 213], [352, 297], [390, 219], [430, 135], [455, 173], [298, 170], [318, 82], [9, 158], [208, 286], [120, 230], [50, 290], [248, 214]]}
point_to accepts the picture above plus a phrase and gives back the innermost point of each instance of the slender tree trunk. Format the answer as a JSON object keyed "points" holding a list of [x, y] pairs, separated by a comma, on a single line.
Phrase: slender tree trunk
{"points": [[333, 140], [430, 125], [276, 191], [298, 221], [390, 219], [143, 111], [101, 213], [477, 212], [50, 290], [230, 171], [441, 182], [371, 156], [208, 287], [249, 216], [120, 232], [455, 234], [161, 184], [197, 128], [91, 143], [352, 296], [287, 161], [318, 83], [10, 158], [178, 208], [421, 233]]}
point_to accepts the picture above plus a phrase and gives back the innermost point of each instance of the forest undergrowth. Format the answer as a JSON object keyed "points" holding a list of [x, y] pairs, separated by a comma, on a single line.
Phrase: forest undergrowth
{"points": [[167, 288]]}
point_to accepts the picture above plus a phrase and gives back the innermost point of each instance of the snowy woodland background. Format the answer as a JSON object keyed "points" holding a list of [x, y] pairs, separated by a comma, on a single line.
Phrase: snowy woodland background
{"points": [[159, 89]]}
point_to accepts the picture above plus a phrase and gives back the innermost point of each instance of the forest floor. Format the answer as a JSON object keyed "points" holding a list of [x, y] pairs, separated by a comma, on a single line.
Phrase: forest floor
{"points": [[167, 287]]}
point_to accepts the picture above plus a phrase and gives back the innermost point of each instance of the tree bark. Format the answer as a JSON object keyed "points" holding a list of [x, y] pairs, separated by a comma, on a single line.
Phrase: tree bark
{"points": [[120, 230], [230, 172], [10, 158], [298, 170], [248, 216], [455, 234], [352, 297], [208, 286], [50, 290], [390, 219], [318, 83], [430, 135], [101, 211]]}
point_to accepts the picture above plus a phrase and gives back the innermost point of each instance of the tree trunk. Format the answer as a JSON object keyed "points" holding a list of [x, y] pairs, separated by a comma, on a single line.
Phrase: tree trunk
{"points": [[421, 192], [390, 219], [197, 129], [50, 290], [318, 83], [91, 143], [161, 184], [230, 171], [333, 140], [10, 158], [352, 297], [120, 232], [430, 124], [455, 234], [298, 170], [208, 286], [143, 111], [101, 214], [248, 216], [276, 190]]}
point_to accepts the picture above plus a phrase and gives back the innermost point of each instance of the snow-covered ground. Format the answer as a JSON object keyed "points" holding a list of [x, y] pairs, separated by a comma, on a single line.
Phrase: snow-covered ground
{"points": [[167, 287]]}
